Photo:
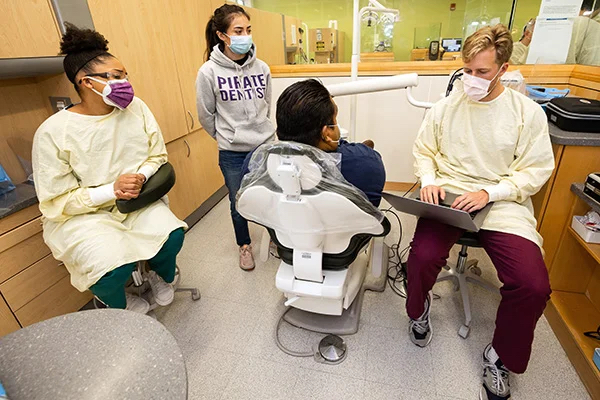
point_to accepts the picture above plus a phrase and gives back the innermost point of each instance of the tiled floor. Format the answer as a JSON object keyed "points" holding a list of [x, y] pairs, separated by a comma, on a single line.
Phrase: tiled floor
{"points": [[227, 336]]}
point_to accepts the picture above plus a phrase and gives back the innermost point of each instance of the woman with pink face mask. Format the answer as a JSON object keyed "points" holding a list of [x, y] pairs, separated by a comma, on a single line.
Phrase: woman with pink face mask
{"points": [[87, 156]]}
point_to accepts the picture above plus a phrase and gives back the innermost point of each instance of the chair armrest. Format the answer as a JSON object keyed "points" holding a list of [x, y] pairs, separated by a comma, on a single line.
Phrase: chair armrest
{"points": [[153, 190]]}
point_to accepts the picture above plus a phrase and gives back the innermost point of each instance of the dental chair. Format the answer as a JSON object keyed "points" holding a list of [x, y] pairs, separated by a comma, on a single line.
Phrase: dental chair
{"points": [[328, 235], [155, 189]]}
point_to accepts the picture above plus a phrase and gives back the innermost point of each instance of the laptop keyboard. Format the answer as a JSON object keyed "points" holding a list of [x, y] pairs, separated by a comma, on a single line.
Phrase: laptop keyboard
{"points": [[472, 214]]}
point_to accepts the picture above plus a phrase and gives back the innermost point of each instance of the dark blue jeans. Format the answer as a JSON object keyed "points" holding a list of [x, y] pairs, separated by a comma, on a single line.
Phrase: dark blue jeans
{"points": [[231, 163]]}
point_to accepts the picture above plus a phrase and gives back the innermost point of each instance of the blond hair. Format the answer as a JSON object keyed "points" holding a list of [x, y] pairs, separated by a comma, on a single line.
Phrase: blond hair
{"points": [[496, 37]]}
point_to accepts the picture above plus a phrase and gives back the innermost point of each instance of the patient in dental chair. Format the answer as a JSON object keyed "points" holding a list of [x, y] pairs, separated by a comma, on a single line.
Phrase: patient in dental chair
{"points": [[306, 113]]}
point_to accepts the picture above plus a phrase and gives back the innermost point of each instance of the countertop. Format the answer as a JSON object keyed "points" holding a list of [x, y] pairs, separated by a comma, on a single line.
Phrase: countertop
{"points": [[558, 136], [577, 188], [16, 200]]}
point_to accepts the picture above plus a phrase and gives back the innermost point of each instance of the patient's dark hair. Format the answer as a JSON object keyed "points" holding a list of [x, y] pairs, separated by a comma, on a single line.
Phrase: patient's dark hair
{"points": [[303, 109], [83, 49]]}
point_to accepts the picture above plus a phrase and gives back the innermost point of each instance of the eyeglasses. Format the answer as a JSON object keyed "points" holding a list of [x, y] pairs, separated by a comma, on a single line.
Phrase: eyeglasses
{"points": [[108, 75]]}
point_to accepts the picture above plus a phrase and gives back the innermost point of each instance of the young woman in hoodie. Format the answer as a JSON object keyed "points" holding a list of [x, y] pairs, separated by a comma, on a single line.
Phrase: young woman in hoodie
{"points": [[233, 91]]}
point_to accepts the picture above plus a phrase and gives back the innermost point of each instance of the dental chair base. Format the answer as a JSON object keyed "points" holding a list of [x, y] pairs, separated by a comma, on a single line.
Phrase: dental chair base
{"points": [[335, 305]]}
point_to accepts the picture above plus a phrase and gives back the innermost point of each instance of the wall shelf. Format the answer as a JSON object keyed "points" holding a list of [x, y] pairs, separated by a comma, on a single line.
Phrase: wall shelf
{"points": [[27, 67]]}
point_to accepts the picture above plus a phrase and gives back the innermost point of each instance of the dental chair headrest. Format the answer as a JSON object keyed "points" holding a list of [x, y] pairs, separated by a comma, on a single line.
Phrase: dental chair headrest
{"points": [[309, 174]]}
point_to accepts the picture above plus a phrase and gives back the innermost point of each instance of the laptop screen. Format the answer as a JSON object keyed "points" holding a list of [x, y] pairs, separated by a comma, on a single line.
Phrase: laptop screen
{"points": [[452, 44]]}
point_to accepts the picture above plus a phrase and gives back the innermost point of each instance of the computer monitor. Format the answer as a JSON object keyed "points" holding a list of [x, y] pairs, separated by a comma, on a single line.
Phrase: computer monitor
{"points": [[452, 44]]}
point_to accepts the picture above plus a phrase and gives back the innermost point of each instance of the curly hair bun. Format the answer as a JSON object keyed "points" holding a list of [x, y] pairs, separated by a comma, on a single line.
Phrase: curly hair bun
{"points": [[76, 40]]}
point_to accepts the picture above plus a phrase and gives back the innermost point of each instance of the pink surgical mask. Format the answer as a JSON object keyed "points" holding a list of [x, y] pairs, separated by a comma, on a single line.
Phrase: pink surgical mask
{"points": [[117, 92], [478, 88]]}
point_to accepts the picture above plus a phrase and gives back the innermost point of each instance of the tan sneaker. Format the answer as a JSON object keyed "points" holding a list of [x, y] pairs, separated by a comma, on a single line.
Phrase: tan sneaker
{"points": [[246, 258]]}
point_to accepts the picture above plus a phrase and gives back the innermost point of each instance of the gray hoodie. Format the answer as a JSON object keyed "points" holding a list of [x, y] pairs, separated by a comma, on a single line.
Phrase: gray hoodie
{"points": [[234, 101]]}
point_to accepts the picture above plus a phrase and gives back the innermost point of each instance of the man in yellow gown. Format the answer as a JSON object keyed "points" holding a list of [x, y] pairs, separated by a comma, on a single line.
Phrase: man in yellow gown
{"points": [[486, 143]]}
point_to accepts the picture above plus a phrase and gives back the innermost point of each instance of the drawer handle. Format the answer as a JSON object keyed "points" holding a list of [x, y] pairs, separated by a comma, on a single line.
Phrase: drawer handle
{"points": [[188, 148], [192, 118]]}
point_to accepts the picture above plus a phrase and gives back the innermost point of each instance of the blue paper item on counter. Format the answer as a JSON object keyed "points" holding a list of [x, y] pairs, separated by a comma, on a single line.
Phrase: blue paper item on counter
{"points": [[3, 395], [543, 95], [5, 184], [597, 358]]}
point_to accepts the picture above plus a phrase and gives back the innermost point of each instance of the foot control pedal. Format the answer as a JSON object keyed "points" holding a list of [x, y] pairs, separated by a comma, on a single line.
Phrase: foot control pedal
{"points": [[331, 350]]}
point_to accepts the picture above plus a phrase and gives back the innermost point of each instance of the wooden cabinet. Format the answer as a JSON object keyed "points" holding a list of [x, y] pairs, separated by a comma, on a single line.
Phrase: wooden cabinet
{"points": [[138, 32], [181, 198], [162, 49], [292, 35], [575, 301], [205, 158], [188, 21], [8, 322], [267, 33], [28, 29], [33, 285], [293, 38], [574, 163], [195, 159]]}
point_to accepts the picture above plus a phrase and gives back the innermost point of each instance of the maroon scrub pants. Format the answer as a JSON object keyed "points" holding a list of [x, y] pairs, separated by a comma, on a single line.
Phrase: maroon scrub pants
{"points": [[520, 267]]}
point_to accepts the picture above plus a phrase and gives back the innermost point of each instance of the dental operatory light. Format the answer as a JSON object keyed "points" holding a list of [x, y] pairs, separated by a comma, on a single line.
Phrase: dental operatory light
{"points": [[375, 7], [370, 17]]}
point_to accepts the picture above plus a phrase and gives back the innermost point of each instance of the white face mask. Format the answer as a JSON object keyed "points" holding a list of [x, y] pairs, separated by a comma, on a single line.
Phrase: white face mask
{"points": [[478, 88], [339, 129]]}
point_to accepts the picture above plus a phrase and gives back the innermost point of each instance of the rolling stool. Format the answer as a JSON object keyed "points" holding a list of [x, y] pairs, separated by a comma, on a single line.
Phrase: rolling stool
{"points": [[465, 271], [139, 285], [155, 189]]}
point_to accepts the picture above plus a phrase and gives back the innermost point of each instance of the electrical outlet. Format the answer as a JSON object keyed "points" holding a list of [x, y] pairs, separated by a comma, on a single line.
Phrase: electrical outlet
{"points": [[59, 103]]}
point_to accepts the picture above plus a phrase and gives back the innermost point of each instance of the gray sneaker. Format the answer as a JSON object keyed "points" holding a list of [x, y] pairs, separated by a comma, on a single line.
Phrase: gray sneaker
{"points": [[496, 384], [420, 330], [136, 304]]}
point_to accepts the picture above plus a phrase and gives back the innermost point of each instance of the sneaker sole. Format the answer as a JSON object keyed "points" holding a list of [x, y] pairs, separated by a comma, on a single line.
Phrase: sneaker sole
{"points": [[163, 303], [146, 310], [430, 336], [247, 269]]}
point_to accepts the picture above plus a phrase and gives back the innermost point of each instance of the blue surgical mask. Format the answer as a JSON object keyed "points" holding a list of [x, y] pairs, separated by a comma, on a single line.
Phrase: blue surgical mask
{"points": [[240, 44]]}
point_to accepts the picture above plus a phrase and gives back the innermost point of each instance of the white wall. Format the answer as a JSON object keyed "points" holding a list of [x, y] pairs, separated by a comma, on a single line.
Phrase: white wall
{"points": [[385, 117]]}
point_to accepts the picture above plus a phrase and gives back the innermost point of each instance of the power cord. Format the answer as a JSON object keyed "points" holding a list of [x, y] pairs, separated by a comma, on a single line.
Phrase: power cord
{"points": [[411, 188], [281, 346], [456, 75], [396, 273]]}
